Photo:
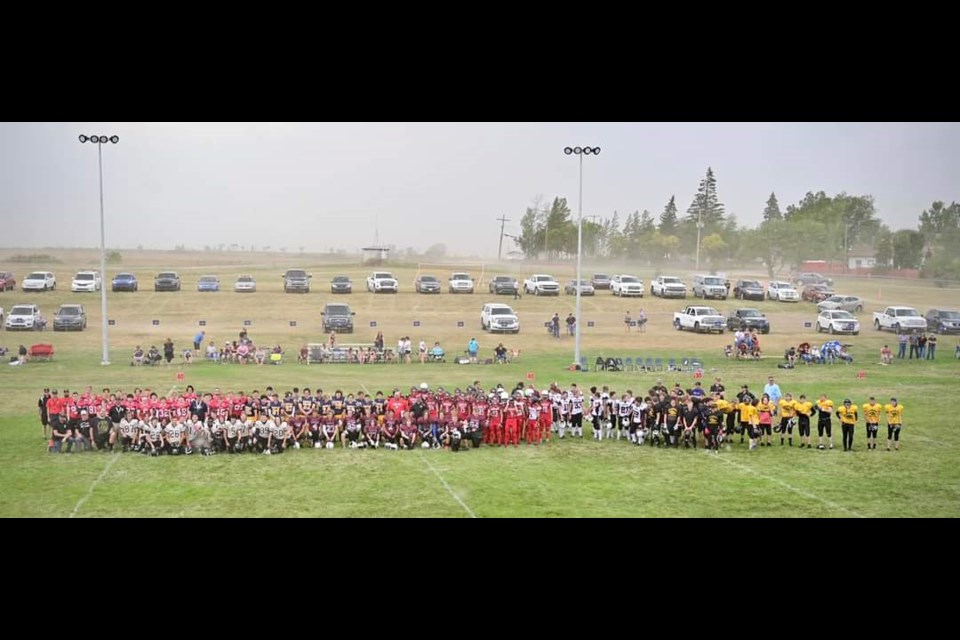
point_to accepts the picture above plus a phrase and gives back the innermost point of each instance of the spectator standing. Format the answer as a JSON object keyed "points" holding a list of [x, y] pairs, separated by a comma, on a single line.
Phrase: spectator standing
{"points": [[932, 347], [44, 414], [902, 350], [921, 346], [913, 341], [197, 341], [22, 352], [378, 341], [642, 322], [571, 324], [168, 351], [555, 325], [473, 347], [627, 320]]}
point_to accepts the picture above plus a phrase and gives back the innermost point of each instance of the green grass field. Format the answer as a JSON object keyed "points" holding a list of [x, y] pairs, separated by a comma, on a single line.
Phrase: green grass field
{"points": [[567, 479]]}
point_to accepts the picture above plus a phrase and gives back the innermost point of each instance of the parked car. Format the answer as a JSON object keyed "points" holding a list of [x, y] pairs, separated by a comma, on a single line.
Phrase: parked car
{"points": [[461, 283], [427, 284], [847, 303], [586, 289], [699, 319], [7, 281], [943, 321], [70, 316], [782, 292], [167, 281], [600, 281], [23, 317], [245, 284], [380, 281], [341, 284], [296, 281], [337, 317], [39, 281], [208, 283], [748, 290], [625, 285], [816, 292], [899, 320], [541, 284], [124, 282], [740, 319], [812, 278], [668, 287], [705, 286], [499, 317], [85, 281], [504, 284], [837, 321]]}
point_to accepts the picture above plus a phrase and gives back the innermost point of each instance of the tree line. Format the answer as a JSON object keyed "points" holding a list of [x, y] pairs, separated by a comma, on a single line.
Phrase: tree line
{"points": [[819, 227]]}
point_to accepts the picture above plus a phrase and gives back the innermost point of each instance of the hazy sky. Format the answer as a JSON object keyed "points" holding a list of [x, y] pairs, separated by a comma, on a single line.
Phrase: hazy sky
{"points": [[324, 185]]}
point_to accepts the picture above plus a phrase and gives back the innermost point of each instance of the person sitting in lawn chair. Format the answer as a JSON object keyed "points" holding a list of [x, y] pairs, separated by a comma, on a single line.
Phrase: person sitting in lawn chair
{"points": [[436, 353]]}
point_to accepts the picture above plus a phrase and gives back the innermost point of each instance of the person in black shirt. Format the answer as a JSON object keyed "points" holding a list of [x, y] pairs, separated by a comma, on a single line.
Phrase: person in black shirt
{"points": [[717, 387], [690, 416], [200, 407], [42, 406], [102, 433]]}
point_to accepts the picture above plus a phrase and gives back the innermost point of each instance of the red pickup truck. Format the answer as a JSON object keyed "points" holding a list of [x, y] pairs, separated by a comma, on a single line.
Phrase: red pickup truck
{"points": [[7, 281]]}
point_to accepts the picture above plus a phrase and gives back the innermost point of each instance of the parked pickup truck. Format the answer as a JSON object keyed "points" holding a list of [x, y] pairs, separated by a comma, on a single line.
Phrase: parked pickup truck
{"points": [[699, 319], [540, 284], [899, 320]]}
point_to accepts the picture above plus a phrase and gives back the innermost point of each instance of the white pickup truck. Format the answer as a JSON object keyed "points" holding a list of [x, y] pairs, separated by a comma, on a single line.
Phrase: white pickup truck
{"points": [[899, 320], [382, 281], [541, 284], [699, 319]]}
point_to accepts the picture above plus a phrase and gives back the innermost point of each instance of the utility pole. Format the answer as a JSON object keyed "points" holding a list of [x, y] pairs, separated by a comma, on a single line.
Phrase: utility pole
{"points": [[503, 220]]}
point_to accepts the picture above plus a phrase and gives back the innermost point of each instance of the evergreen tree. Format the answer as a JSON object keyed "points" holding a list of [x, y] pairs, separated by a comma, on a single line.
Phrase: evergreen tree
{"points": [[668, 219], [772, 212]]}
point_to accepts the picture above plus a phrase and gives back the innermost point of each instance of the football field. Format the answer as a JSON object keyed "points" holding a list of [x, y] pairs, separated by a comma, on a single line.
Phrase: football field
{"points": [[568, 478]]}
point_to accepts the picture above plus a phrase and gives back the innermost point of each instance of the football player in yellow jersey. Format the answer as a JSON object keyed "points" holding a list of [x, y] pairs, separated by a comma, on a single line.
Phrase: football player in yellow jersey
{"points": [[824, 409], [745, 409], [871, 414], [848, 420], [804, 409], [753, 417], [894, 422], [788, 413]]}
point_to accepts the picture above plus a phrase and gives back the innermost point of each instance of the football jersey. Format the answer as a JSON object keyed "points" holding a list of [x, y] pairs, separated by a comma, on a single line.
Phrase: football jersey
{"points": [[825, 407], [847, 415], [576, 405], [894, 414], [788, 408], [871, 412], [804, 408]]}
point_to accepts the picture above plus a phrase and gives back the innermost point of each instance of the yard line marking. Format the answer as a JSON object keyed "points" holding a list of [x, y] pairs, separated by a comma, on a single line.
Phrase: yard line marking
{"points": [[447, 486], [94, 485], [436, 473], [787, 486]]}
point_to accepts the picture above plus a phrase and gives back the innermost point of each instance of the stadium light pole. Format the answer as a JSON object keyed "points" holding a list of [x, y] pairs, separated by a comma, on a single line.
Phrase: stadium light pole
{"points": [[100, 141], [579, 152]]}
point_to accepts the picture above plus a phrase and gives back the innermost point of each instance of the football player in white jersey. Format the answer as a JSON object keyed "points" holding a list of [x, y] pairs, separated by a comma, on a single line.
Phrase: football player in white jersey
{"points": [[576, 412], [129, 428], [153, 442], [624, 411], [282, 436]]}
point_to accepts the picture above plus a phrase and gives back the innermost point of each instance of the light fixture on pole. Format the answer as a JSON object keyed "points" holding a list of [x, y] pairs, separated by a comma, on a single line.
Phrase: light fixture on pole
{"points": [[100, 141], [579, 152]]}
